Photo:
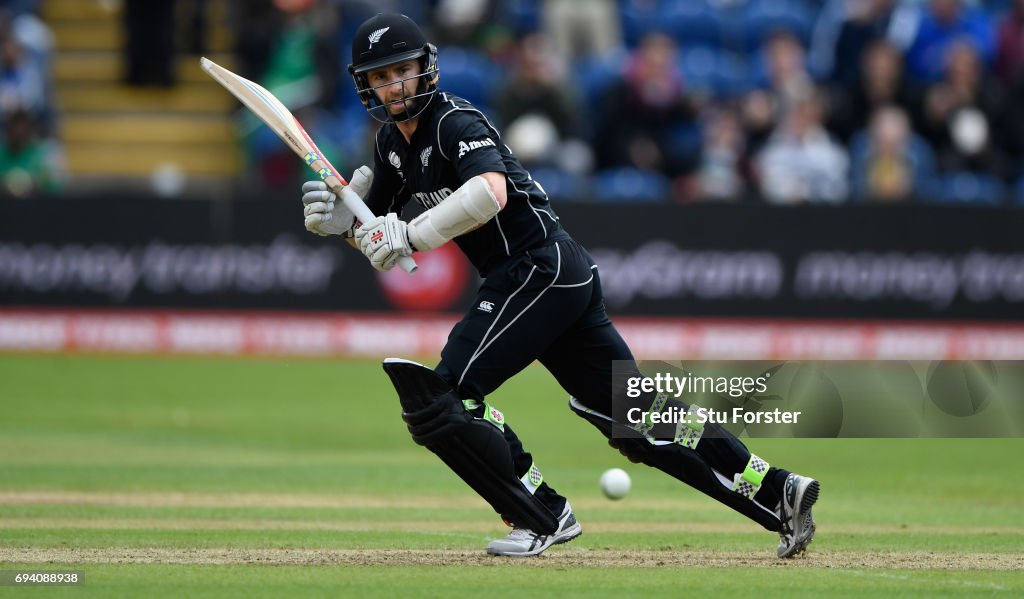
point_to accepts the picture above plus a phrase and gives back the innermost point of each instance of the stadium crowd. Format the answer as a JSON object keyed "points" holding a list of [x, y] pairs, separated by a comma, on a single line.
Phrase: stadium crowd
{"points": [[783, 101], [31, 158]]}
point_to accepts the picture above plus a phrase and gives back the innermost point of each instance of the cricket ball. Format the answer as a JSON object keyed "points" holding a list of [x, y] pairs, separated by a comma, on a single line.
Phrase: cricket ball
{"points": [[615, 483]]}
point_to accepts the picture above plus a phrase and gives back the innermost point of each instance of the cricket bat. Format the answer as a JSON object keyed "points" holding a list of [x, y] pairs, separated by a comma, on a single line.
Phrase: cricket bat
{"points": [[281, 121]]}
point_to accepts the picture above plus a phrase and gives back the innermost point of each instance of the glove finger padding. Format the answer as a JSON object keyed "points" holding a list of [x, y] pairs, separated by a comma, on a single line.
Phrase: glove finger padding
{"points": [[313, 220], [324, 208], [361, 180], [384, 240], [309, 186], [318, 196], [323, 213], [384, 255]]}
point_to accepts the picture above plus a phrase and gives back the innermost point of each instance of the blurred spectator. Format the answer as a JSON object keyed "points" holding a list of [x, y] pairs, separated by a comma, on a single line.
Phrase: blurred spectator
{"points": [[37, 40], [939, 24], [470, 23], [302, 64], [274, 28], [888, 164], [863, 22], [722, 169], [536, 98], [28, 164], [261, 23], [788, 76], [30, 30], [22, 80], [1010, 45], [582, 28], [883, 81], [645, 114], [966, 116], [801, 163], [788, 82], [149, 42], [195, 34], [302, 68]]}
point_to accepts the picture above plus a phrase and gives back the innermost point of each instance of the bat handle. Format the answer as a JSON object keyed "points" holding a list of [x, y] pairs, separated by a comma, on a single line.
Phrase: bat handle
{"points": [[358, 208]]}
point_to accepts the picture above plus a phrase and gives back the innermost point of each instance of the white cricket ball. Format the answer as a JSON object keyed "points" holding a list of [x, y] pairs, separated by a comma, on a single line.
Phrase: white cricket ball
{"points": [[615, 483]]}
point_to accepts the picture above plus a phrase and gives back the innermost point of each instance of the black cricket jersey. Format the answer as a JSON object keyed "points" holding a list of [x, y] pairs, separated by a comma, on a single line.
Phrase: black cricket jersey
{"points": [[453, 143]]}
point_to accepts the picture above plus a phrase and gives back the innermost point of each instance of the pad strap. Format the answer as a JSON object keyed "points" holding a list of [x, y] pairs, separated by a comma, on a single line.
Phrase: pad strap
{"points": [[490, 413], [657, 405], [688, 435], [533, 479], [749, 481]]}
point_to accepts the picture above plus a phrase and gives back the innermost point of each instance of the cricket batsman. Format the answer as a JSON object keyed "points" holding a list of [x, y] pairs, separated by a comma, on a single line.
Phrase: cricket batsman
{"points": [[540, 300]]}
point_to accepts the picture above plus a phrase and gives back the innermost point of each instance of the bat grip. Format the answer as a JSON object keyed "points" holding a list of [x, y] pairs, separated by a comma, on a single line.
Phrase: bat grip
{"points": [[358, 208]]}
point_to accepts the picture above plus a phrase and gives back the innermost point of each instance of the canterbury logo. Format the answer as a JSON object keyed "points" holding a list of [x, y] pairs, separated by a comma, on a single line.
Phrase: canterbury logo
{"points": [[486, 306], [376, 35]]}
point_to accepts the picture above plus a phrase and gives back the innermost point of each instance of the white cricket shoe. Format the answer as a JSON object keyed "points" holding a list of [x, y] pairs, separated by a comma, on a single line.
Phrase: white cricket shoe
{"points": [[798, 496], [523, 542]]}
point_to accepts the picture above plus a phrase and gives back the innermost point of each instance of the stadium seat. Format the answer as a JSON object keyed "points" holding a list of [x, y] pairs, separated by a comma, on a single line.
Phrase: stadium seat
{"points": [[639, 18], [467, 74], [523, 16], [715, 72], [627, 184], [594, 75], [996, 8], [694, 23], [969, 188], [560, 185], [761, 18], [1019, 192]]}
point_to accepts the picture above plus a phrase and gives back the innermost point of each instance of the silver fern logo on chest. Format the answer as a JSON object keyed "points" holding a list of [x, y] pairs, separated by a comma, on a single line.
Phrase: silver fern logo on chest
{"points": [[376, 35], [425, 155]]}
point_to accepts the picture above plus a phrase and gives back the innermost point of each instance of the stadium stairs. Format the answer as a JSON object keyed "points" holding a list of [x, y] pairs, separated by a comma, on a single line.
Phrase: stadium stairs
{"points": [[117, 136]]}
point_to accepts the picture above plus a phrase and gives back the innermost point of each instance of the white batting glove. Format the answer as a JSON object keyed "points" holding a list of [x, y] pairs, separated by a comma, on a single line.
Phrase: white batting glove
{"points": [[325, 214], [384, 240]]}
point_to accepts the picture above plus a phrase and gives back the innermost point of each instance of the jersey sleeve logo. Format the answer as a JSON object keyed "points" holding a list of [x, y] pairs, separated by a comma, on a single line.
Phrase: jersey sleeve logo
{"points": [[468, 146]]}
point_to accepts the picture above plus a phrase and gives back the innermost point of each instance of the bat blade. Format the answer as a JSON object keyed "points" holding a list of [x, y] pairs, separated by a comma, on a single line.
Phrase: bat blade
{"points": [[282, 122]]}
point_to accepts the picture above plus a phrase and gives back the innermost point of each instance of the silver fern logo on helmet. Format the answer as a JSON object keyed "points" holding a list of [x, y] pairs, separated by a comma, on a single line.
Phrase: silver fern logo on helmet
{"points": [[376, 35]]}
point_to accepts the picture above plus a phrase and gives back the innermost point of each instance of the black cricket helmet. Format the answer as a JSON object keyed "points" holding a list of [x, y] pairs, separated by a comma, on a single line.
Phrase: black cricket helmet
{"points": [[388, 39]]}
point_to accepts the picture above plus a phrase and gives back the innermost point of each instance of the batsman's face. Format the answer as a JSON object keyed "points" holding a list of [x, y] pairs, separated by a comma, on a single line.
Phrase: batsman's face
{"points": [[396, 83]]}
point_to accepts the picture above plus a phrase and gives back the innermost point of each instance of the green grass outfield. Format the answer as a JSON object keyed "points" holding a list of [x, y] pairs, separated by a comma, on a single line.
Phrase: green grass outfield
{"points": [[266, 478]]}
